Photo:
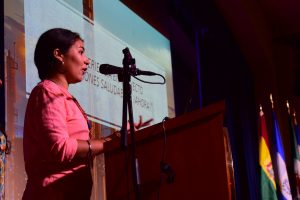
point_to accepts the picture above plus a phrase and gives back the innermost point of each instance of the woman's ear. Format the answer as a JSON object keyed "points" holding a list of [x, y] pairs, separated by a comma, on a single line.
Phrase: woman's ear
{"points": [[58, 55]]}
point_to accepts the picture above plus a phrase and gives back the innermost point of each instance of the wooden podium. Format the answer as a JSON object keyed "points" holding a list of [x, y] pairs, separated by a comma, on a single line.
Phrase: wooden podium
{"points": [[195, 150]]}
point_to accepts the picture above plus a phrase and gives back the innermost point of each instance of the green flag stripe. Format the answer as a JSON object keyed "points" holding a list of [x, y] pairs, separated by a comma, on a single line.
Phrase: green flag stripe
{"points": [[268, 191]]}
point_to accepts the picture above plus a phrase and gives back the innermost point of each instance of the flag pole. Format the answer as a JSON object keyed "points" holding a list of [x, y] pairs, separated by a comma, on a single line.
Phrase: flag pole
{"points": [[272, 102], [288, 107]]}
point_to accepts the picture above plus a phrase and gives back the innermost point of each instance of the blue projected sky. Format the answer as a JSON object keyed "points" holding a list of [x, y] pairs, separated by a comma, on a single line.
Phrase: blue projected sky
{"points": [[118, 19]]}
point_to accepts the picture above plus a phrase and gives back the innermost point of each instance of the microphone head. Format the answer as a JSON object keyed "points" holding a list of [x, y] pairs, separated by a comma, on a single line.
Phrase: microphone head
{"points": [[109, 69]]}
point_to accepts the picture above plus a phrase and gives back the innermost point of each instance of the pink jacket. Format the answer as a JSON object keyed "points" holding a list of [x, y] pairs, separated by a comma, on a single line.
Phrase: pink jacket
{"points": [[53, 123]]}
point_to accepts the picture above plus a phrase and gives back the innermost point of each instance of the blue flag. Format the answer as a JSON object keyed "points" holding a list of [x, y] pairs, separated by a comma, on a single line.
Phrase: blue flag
{"points": [[294, 131], [283, 180]]}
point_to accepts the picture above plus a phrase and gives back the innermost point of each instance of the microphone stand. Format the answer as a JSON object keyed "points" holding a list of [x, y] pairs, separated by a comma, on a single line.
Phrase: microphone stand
{"points": [[127, 103]]}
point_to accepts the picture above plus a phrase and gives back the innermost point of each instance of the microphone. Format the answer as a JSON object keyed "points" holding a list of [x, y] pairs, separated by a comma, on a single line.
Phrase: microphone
{"points": [[111, 69]]}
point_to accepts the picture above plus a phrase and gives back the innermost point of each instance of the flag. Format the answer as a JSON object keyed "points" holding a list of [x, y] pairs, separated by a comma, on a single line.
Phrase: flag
{"points": [[281, 171], [267, 181], [297, 133], [296, 157]]}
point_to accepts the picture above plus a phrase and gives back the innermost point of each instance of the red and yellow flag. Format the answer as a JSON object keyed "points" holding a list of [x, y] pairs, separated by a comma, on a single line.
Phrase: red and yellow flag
{"points": [[267, 180]]}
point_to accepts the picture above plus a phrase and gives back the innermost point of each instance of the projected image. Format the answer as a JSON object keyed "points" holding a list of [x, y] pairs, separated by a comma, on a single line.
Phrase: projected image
{"points": [[106, 35], [107, 27]]}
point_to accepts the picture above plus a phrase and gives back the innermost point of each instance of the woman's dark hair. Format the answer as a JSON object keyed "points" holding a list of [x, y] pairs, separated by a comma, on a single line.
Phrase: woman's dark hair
{"points": [[44, 59]]}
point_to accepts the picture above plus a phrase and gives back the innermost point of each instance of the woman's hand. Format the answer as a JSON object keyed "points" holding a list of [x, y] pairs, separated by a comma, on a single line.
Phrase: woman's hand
{"points": [[140, 124], [137, 126]]}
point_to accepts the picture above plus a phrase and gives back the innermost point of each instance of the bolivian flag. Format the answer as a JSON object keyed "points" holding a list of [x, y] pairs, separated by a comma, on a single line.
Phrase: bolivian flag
{"points": [[267, 180]]}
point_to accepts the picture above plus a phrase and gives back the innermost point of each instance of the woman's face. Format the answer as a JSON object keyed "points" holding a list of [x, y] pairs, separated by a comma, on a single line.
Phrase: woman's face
{"points": [[75, 62]]}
